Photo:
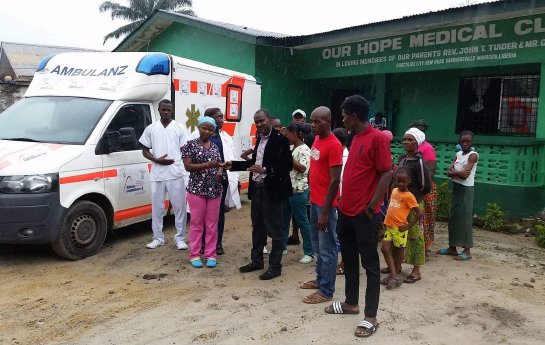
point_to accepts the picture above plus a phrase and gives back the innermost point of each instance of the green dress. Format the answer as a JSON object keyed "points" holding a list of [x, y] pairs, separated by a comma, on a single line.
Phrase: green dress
{"points": [[415, 253]]}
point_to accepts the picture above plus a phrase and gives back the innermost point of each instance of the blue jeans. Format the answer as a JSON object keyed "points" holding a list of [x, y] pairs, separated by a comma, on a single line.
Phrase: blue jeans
{"points": [[324, 244], [297, 205]]}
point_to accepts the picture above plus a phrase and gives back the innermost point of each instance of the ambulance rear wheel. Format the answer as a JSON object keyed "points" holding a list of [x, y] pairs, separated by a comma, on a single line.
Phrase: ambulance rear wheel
{"points": [[83, 231]]}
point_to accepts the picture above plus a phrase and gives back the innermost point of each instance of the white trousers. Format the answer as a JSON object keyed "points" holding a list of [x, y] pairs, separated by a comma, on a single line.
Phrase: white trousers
{"points": [[176, 195]]}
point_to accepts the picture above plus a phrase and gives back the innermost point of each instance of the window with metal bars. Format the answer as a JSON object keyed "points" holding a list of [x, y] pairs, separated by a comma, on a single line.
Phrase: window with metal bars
{"points": [[505, 105]]}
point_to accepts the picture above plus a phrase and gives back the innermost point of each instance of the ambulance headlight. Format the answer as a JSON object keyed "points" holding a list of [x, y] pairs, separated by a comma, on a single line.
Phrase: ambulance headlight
{"points": [[29, 184]]}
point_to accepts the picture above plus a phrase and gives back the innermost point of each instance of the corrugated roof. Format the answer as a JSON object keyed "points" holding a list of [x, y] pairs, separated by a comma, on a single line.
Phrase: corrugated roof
{"points": [[237, 28], [23, 58], [422, 21]]}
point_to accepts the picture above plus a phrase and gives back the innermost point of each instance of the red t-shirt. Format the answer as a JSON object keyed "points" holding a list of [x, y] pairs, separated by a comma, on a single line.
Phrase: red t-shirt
{"points": [[325, 153], [369, 155]]}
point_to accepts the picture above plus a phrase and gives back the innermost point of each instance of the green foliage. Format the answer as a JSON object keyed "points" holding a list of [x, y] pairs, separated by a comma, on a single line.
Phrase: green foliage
{"points": [[140, 10], [443, 201], [493, 218], [540, 236]]}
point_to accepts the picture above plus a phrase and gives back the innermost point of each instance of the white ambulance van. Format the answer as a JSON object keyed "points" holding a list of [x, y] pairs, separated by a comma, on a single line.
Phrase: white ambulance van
{"points": [[71, 166]]}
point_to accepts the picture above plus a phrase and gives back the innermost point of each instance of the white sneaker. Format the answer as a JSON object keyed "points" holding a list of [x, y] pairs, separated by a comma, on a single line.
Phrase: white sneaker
{"points": [[154, 244], [181, 245], [307, 259], [265, 251], [285, 252]]}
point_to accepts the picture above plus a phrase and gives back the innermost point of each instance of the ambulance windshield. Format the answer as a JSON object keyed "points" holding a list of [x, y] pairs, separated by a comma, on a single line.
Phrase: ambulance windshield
{"points": [[63, 120]]}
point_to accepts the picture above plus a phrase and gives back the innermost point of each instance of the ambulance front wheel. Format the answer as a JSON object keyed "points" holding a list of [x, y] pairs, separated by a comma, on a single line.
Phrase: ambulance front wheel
{"points": [[83, 231]]}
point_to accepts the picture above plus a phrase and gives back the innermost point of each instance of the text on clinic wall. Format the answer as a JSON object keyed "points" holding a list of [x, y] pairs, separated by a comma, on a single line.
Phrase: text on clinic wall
{"points": [[463, 34]]}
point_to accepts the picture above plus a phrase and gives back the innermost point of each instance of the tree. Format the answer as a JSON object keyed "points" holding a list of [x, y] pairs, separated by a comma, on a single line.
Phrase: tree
{"points": [[140, 10]]}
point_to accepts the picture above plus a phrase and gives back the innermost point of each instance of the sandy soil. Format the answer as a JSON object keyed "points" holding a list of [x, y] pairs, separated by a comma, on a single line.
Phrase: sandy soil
{"points": [[105, 300]]}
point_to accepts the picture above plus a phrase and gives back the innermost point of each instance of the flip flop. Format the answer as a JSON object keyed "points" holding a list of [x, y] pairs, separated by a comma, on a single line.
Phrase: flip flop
{"points": [[337, 308], [311, 284], [462, 257], [445, 251], [368, 327], [411, 279], [316, 298]]}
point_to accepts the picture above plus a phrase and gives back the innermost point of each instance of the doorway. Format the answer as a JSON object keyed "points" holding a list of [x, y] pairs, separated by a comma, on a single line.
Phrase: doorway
{"points": [[337, 98]]}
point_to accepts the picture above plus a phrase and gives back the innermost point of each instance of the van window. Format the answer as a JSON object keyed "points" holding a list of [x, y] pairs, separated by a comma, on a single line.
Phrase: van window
{"points": [[135, 116], [63, 120]]}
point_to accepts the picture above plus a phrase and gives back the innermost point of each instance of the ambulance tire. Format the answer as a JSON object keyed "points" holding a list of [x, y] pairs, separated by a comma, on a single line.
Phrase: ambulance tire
{"points": [[83, 231]]}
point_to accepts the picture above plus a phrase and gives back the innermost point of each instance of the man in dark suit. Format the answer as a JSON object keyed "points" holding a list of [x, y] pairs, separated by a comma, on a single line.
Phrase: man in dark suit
{"points": [[270, 186]]}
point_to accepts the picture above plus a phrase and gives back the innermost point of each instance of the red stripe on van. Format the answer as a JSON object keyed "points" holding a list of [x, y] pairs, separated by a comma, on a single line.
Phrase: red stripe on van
{"points": [[134, 212], [244, 185], [193, 87], [89, 176], [229, 128], [176, 84]]}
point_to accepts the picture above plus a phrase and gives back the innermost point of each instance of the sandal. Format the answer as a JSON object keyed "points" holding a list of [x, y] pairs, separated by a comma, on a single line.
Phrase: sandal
{"points": [[365, 329], [462, 257], [445, 251], [316, 298], [340, 271], [385, 280], [311, 284], [394, 283], [411, 279], [337, 308]]}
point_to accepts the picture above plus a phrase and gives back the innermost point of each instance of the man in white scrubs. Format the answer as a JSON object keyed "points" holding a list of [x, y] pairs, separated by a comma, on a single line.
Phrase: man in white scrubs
{"points": [[163, 142]]}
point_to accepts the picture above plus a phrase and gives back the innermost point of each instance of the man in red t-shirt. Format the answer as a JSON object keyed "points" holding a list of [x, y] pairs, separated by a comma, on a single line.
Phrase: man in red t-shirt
{"points": [[326, 160], [367, 175]]}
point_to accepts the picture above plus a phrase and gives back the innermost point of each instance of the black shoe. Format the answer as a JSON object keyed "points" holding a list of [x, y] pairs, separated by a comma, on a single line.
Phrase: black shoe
{"points": [[269, 274], [250, 268], [219, 250], [293, 240]]}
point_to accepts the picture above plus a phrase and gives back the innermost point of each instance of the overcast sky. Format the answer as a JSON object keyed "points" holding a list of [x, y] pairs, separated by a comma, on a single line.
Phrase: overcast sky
{"points": [[78, 23]]}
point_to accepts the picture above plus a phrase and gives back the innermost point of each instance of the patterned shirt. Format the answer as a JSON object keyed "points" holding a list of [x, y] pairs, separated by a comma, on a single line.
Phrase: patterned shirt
{"points": [[299, 180], [203, 183], [258, 178]]}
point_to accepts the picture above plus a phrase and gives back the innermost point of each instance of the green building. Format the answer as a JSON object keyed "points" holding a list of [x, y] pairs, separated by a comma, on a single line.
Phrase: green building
{"points": [[476, 68]]}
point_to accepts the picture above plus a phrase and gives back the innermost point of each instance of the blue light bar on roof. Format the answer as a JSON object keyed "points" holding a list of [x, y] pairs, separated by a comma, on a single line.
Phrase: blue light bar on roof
{"points": [[44, 62], [154, 63]]}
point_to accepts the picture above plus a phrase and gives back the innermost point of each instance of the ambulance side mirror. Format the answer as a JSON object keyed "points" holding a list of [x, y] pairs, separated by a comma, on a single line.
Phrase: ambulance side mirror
{"points": [[117, 141], [127, 139]]}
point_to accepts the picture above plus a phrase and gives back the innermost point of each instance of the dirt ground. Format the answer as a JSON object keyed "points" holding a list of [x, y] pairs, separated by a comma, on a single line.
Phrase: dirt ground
{"points": [[497, 298]]}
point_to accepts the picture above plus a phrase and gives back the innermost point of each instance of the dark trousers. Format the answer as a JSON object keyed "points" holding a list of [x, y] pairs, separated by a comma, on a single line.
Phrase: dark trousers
{"points": [[266, 221], [358, 236], [221, 220]]}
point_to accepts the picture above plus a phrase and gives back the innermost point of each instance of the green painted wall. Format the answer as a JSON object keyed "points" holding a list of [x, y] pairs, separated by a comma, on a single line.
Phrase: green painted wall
{"points": [[434, 96], [203, 46], [514, 201]]}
